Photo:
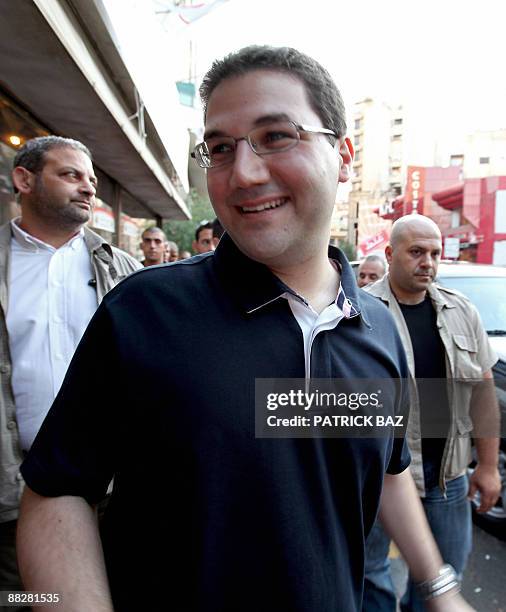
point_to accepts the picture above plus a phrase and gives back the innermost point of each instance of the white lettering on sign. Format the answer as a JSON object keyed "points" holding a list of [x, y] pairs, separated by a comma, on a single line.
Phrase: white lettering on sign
{"points": [[386, 208], [415, 186]]}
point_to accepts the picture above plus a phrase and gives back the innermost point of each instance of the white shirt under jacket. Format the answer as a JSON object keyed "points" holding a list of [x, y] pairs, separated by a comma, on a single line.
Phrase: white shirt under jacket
{"points": [[50, 305]]}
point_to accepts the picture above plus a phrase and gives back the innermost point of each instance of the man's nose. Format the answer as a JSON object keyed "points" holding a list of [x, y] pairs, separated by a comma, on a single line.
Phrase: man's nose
{"points": [[87, 187], [248, 168]]}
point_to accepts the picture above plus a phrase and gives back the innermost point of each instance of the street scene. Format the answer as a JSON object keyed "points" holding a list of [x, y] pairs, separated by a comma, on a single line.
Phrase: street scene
{"points": [[252, 306]]}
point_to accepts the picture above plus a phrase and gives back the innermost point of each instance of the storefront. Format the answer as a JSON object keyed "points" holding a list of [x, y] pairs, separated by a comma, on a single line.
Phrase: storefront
{"points": [[477, 209], [63, 73]]}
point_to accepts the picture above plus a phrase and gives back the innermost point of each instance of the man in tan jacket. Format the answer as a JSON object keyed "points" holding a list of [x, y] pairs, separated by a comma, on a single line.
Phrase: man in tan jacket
{"points": [[447, 350]]}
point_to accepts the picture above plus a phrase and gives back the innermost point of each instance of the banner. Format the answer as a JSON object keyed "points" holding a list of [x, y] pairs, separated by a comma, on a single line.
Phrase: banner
{"points": [[192, 12], [374, 243]]}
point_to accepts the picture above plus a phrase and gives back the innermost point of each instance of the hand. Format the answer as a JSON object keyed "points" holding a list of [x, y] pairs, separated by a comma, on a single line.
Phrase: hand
{"points": [[450, 602], [486, 480]]}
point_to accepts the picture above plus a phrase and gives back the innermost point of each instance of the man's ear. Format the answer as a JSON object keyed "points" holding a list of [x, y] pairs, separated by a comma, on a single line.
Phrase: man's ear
{"points": [[388, 253], [194, 245], [347, 154], [23, 180]]}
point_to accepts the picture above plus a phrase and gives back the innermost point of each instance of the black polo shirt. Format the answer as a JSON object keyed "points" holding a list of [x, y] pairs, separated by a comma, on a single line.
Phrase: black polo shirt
{"points": [[160, 395]]}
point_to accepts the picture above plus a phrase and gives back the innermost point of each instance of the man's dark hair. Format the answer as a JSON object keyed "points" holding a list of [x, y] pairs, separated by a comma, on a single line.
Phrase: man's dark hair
{"points": [[203, 226], [321, 90], [218, 230], [32, 154]]}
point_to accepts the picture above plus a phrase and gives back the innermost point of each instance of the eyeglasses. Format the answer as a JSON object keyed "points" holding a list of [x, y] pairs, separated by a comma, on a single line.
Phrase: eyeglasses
{"points": [[271, 138]]}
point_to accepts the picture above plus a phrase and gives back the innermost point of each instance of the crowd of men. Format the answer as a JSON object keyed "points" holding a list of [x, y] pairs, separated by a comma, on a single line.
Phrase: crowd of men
{"points": [[157, 249], [204, 516]]}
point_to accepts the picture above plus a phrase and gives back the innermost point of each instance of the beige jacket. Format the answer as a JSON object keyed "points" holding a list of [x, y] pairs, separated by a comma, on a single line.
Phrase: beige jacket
{"points": [[468, 356], [110, 265]]}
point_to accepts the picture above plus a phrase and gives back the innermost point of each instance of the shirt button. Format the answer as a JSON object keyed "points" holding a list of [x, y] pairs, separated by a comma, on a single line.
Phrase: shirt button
{"points": [[11, 425], [19, 476], [4, 369]]}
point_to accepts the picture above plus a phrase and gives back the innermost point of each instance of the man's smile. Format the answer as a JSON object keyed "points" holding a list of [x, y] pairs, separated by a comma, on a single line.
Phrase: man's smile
{"points": [[269, 205]]}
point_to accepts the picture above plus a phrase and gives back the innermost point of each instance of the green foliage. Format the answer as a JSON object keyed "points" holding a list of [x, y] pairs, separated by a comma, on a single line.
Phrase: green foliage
{"points": [[183, 232], [348, 249]]}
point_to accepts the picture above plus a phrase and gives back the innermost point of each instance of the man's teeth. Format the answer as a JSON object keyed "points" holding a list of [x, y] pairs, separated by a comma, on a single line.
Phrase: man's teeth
{"points": [[265, 206]]}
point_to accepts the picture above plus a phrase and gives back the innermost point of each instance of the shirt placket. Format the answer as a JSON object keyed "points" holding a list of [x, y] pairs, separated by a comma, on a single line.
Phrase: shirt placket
{"points": [[57, 316], [327, 320]]}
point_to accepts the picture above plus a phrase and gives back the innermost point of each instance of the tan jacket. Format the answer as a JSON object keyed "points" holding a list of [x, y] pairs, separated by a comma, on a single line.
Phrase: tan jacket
{"points": [[468, 355], [110, 265]]}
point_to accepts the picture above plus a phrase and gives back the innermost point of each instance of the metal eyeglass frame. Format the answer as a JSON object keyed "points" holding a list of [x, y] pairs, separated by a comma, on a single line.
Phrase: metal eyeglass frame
{"points": [[198, 156]]}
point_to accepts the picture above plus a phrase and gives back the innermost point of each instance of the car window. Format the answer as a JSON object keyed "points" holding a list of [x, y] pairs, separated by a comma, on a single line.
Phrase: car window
{"points": [[488, 294]]}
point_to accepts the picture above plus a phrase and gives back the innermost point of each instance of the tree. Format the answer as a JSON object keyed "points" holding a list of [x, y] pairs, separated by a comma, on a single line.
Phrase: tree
{"points": [[348, 249], [183, 232]]}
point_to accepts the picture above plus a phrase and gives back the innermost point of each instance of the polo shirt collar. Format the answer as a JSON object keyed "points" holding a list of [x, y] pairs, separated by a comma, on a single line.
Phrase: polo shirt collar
{"points": [[255, 286]]}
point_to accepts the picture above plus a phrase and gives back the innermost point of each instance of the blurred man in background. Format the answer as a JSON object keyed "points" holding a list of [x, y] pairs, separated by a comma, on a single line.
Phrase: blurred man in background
{"points": [[184, 255], [370, 270], [171, 251], [153, 245], [203, 242]]}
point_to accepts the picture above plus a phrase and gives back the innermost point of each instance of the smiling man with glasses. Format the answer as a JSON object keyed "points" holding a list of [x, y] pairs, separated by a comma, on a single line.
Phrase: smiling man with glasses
{"points": [[254, 524]]}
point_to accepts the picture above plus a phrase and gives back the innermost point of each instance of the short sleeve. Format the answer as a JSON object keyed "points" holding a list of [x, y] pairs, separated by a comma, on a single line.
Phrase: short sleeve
{"points": [[400, 458]]}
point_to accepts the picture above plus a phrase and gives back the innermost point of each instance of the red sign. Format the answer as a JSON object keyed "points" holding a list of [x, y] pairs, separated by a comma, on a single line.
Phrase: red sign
{"points": [[374, 243], [413, 198]]}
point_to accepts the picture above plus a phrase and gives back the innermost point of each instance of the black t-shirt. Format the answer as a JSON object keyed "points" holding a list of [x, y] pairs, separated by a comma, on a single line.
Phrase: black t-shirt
{"points": [[430, 373], [204, 517]]}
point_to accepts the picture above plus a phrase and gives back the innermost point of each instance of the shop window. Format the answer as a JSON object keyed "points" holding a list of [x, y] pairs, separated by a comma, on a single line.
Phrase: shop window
{"points": [[16, 125], [456, 160], [455, 218]]}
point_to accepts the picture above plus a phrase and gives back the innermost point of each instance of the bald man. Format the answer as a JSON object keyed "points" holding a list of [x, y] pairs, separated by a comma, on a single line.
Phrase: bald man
{"points": [[444, 339], [370, 270]]}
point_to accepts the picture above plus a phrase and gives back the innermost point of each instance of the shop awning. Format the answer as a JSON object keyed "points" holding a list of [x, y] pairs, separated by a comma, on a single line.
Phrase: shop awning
{"points": [[450, 198], [60, 63]]}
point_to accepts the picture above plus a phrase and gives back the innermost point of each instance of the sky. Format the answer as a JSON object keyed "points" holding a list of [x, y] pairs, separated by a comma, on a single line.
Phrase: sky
{"points": [[443, 58]]}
